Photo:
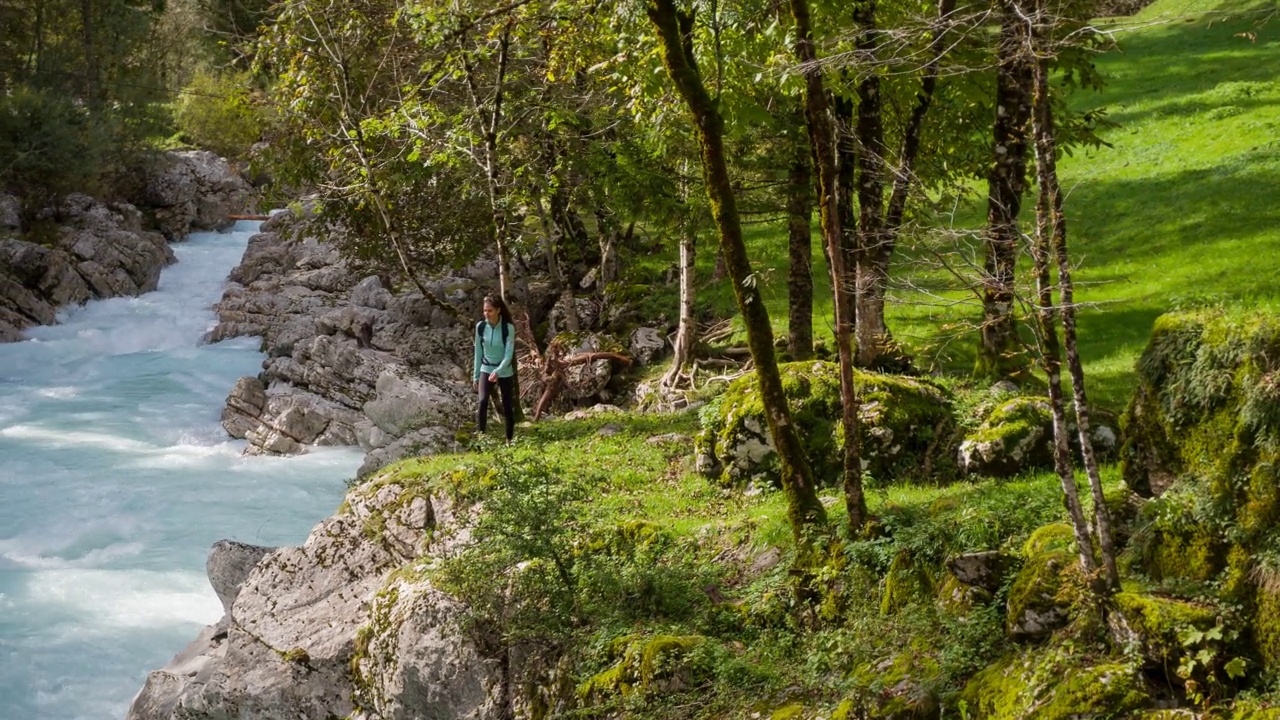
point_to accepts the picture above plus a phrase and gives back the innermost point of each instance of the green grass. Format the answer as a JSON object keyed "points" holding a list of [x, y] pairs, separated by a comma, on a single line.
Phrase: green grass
{"points": [[754, 656]]}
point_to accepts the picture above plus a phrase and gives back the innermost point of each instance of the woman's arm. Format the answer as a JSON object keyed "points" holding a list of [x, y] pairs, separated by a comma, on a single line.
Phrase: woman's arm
{"points": [[475, 372], [508, 352]]}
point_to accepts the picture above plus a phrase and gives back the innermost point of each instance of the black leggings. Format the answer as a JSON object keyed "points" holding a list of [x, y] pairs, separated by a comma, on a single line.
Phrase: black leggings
{"points": [[507, 386]]}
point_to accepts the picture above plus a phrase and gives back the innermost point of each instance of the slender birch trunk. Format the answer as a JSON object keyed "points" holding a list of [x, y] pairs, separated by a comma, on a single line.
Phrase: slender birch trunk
{"points": [[1051, 219]]}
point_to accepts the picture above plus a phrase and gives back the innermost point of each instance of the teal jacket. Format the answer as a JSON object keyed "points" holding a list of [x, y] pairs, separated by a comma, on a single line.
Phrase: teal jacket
{"points": [[491, 355]]}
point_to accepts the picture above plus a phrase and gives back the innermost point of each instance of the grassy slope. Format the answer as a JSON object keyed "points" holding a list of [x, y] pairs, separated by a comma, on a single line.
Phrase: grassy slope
{"points": [[1184, 207]]}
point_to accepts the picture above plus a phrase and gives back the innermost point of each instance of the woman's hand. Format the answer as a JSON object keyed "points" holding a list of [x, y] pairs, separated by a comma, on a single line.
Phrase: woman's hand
{"points": [[493, 377]]}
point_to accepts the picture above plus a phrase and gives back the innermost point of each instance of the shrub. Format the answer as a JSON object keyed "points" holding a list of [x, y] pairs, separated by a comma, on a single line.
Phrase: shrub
{"points": [[49, 146], [218, 113]]}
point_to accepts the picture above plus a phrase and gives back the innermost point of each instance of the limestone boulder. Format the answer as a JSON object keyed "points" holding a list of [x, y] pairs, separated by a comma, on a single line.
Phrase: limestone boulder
{"points": [[191, 191], [647, 345], [1016, 435], [317, 627], [97, 251], [229, 565], [908, 431], [422, 665]]}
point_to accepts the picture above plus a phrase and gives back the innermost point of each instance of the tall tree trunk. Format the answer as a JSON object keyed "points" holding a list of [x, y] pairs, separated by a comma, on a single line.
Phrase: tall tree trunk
{"points": [[846, 200], [92, 70], [800, 260], [675, 29], [1050, 216], [823, 138], [998, 353], [874, 252]]}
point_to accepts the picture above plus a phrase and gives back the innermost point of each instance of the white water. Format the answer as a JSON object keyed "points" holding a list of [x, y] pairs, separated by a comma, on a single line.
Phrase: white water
{"points": [[116, 477]]}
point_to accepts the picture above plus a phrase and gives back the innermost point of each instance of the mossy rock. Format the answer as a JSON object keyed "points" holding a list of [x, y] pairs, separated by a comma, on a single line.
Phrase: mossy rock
{"points": [[1047, 590], [1178, 540], [1048, 683], [1016, 435], [899, 688], [1208, 393], [1253, 710], [908, 430], [647, 664], [957, 599], [1157, 622], [1266, 621], [906, 582]]}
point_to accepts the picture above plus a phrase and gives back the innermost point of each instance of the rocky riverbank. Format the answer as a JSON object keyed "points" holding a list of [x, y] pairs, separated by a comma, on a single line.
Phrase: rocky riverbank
{"points": [[82, 248], [350, 362]]}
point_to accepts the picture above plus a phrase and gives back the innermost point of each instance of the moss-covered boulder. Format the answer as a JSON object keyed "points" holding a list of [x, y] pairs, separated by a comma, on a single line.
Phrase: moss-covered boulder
{"points": [[1159, 627], [1207, 402], [1048, 588], [907, 581], [1051, 683], [902, 687], [1203, 440], [647, 664], [908, 429], [1016, 435], [1253, 710]]}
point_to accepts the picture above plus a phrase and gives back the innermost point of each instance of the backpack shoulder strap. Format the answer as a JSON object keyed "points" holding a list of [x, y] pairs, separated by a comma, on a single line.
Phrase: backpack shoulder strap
{"points": [[480, 330]]}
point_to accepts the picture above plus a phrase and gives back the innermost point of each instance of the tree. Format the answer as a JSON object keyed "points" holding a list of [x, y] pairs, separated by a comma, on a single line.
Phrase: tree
{"points": [[675, 28], [822, 138], [79, 93], [998, 352]]}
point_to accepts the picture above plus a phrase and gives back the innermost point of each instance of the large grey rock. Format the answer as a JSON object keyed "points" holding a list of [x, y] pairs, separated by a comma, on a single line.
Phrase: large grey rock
{"points": [[403, 404], [429, 440], [307, 617], [229, 565], [647, 344], [97, 250], [194, 190], [424, 666]]}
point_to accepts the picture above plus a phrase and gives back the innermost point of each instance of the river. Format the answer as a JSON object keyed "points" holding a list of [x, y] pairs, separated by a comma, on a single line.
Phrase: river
{"points": [[116, 477]]}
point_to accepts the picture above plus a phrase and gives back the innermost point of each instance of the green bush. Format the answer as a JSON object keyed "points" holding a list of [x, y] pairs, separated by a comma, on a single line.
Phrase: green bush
{"points": [[218, 112], [48, 145]]}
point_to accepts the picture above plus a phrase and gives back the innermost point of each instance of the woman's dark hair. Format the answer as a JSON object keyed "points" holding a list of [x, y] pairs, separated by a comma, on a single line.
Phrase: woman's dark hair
{"points": [[496, 300]]}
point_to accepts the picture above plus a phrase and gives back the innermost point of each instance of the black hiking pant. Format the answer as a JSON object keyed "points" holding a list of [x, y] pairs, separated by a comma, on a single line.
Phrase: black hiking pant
{"points": [[507, 387]]}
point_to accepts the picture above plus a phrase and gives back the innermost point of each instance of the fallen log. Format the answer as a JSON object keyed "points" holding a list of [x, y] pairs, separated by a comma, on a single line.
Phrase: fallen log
{"points": [[248, 217]]}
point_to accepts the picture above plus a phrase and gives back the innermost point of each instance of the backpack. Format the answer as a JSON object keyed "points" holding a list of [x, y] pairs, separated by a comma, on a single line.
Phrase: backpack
{"points": [[480, 331]]}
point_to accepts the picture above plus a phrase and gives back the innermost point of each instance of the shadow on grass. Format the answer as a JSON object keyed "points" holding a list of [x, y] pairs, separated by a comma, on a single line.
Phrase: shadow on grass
{"points": [[1175, 70]]}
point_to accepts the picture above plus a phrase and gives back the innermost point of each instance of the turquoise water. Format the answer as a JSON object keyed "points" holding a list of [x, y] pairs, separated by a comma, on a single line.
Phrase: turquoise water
{"points": [[116, 477]]}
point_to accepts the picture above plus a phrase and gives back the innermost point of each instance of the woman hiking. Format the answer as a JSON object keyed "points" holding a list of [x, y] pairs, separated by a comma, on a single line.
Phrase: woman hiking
{"points": [[495, 339]]}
